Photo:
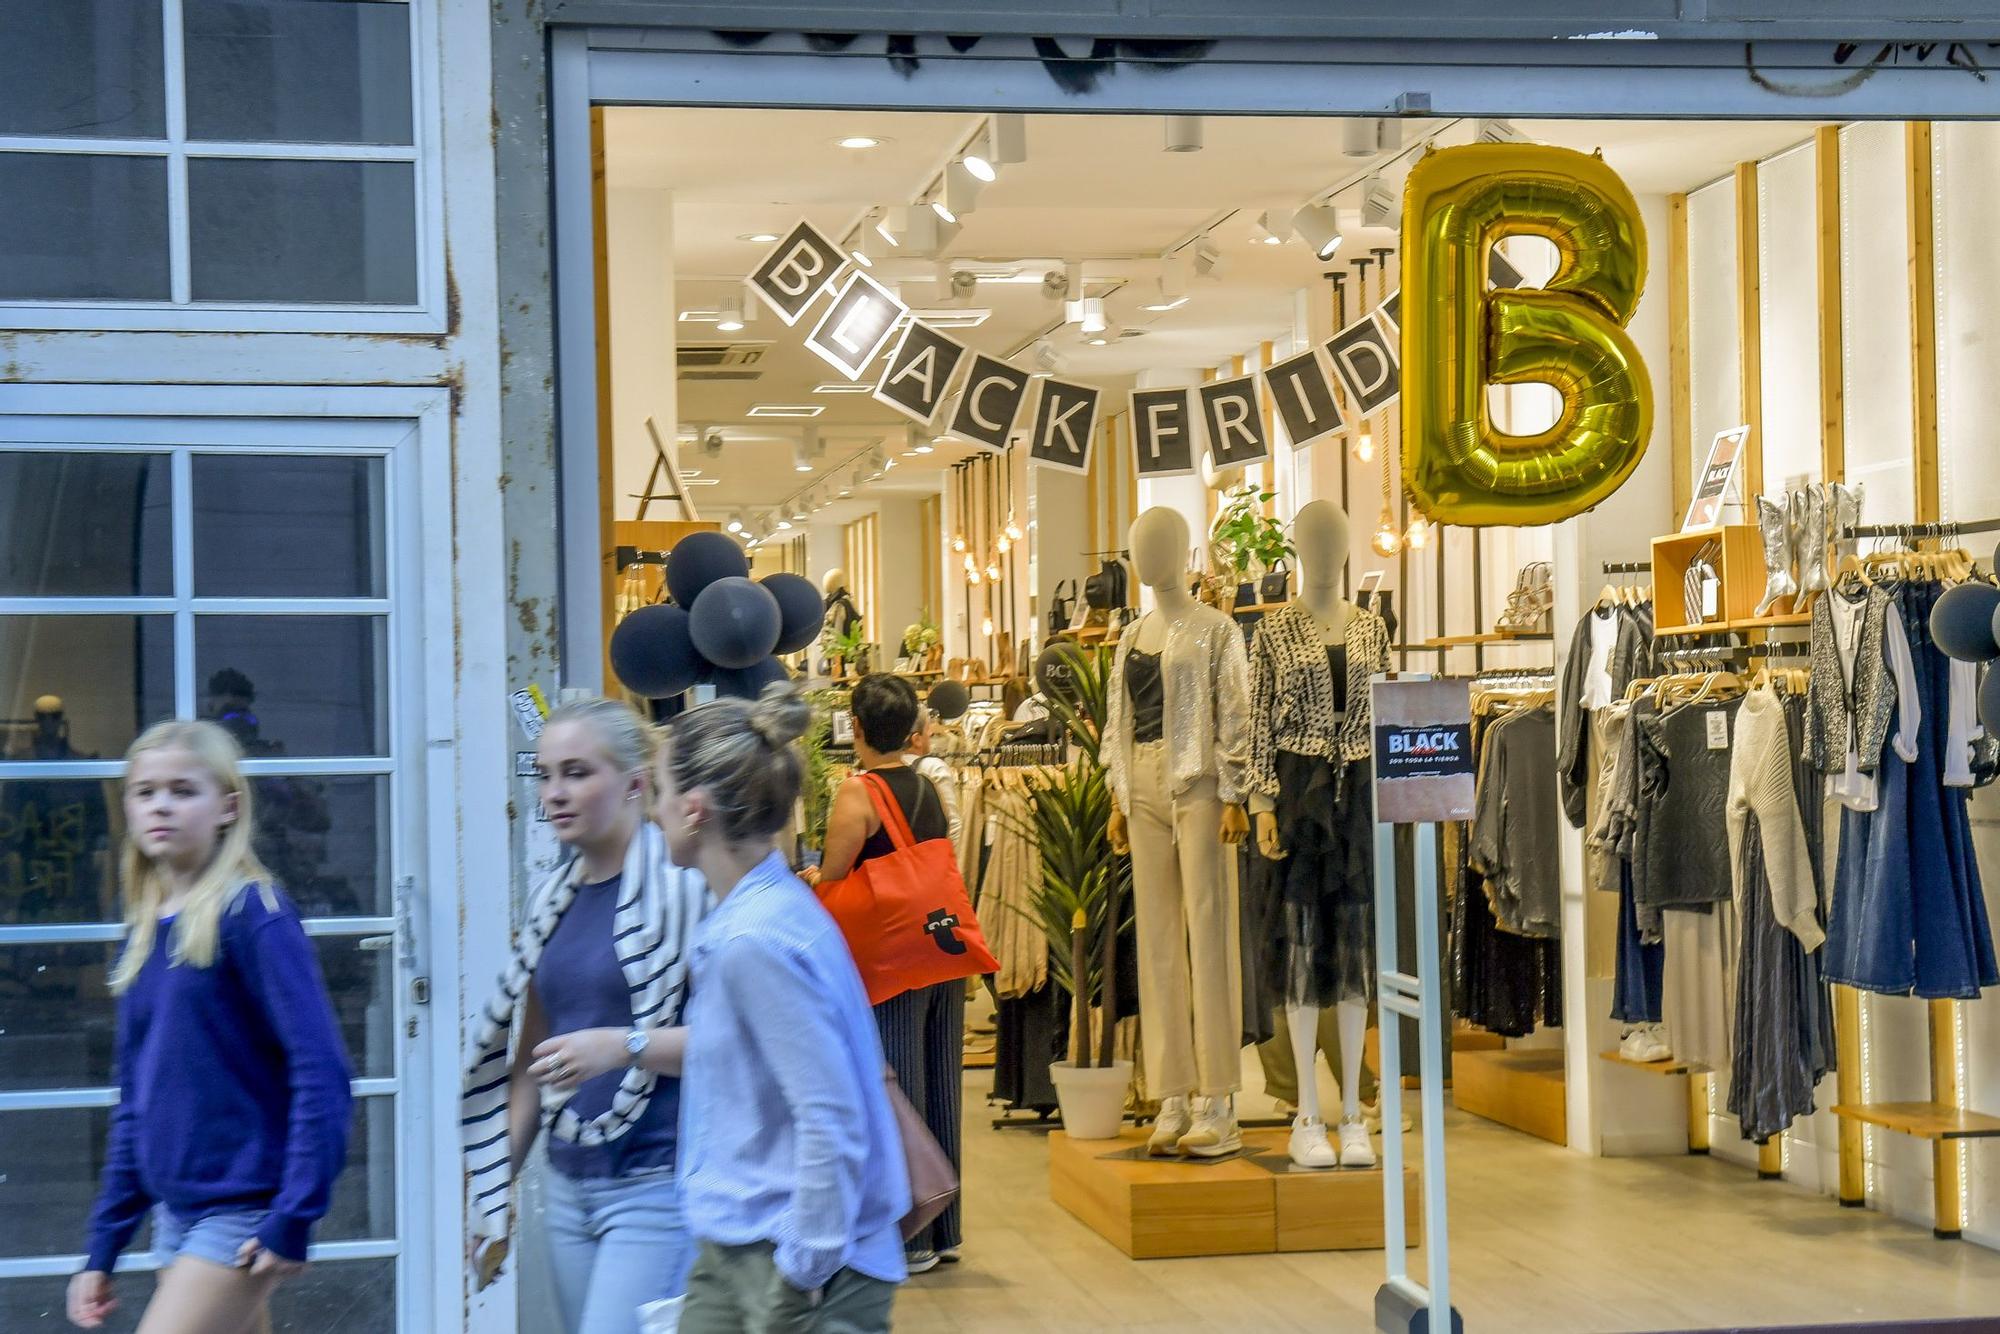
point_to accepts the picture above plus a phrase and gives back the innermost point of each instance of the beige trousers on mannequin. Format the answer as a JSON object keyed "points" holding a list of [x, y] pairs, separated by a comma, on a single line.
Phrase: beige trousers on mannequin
{"points": [[1190, 974]]}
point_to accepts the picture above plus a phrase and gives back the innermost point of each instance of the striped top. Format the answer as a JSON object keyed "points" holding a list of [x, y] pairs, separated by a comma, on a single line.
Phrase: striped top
{"points": [[786, 1132]]}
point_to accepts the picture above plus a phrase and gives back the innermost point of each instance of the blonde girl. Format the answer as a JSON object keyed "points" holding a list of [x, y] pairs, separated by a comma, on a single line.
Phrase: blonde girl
{"points": [[233, 1110], [597, 978]]}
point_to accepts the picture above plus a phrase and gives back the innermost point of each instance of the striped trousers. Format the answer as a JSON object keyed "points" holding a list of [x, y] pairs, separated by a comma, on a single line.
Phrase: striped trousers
{"points": [[923, 1037]]}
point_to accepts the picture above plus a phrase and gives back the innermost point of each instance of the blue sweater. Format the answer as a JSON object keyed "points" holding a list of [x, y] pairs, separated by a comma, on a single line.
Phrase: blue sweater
{"points": [[233, 1085]]}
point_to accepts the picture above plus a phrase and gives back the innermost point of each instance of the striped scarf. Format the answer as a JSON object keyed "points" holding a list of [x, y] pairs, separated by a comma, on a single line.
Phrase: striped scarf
{"points": [[658, 906]]}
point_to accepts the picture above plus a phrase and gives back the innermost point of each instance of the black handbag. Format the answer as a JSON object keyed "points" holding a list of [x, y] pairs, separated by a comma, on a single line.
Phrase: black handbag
{"points": [[1062, 606], [1105, 589], [1275, 586]]}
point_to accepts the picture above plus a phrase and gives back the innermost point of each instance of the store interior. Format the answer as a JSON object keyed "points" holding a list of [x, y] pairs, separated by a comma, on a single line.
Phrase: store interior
{"points": [[1832, 287]]}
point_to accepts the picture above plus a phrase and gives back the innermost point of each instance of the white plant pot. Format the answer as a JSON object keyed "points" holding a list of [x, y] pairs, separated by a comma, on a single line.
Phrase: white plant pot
{"points": [[1093, 1100]]}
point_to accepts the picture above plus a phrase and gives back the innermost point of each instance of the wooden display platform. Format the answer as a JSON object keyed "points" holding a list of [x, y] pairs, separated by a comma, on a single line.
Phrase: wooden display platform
{"points": [[1670, 1066], [1254, 1203], [1925, 1120], [1520, 1089]]}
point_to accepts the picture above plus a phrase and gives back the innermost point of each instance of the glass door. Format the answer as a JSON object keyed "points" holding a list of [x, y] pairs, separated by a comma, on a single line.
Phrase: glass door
{"points": [[248, 575]]}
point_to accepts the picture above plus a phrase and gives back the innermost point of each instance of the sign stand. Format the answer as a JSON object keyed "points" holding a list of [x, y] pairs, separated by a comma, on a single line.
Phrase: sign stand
{"points": [[1415, 715]]}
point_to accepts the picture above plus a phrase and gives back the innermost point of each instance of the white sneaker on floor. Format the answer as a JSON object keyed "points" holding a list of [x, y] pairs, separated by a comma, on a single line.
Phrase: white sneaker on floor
{"points": [[1355, 1150], [1371, 1116], [1173, 1122], [921, 1261], [1215, 1133], [1309, 1144]]}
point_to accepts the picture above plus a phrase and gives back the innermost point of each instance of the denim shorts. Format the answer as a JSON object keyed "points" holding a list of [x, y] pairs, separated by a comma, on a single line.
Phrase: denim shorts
{"points": [[215, 1238]]}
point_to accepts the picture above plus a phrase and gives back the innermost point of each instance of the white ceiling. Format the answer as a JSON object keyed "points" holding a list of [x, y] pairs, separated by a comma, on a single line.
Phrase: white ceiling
{"points": [[1098, 189]]}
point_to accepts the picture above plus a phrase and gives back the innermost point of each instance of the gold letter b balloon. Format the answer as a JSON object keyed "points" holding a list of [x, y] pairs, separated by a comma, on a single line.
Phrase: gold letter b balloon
{"points": [[1458, 338]]}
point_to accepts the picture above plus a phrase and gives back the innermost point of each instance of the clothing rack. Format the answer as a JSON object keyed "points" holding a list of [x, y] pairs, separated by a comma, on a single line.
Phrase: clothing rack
{"points": [[1506, 676], [1914, 532], [1628, 567], [627, 557]]}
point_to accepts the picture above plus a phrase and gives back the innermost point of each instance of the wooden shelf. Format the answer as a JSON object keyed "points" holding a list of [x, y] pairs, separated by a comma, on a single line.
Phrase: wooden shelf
{"points": [[1924, 1120], [1736, 627], [1490, 637], [1256, 608], [1670, 1066]]}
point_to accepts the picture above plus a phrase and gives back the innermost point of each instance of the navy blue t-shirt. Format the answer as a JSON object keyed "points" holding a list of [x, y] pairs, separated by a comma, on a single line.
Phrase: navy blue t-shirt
{"points": [[582, 986]]}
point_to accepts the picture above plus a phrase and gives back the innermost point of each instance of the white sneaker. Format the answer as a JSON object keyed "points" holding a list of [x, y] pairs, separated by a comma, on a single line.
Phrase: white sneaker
{"points": [[1633, 1043], [1371, 1116], [1173, 1122], [1653, 1043], [1355, 1150], [1309, 1144], [1215, 1133]]}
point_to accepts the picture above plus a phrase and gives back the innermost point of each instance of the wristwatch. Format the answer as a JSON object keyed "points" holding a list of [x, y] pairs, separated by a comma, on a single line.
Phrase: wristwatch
{"points": [[635, 1045]]}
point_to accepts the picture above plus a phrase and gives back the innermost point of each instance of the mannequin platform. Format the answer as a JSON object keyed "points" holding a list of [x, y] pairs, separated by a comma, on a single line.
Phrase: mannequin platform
{"points": [[1254, 1203]]}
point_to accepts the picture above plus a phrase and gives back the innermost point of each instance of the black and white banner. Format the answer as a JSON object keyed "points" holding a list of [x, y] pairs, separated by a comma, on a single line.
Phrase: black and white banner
{"points": [[1231, 423], [1162, 432], [919, 372], [994, 392], [796, 271], [1065, 423], [1303, 394], [1170, 427], [1365, 360]]}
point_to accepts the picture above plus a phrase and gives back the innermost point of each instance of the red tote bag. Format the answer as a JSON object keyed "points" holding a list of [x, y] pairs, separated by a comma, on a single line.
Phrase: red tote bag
{"points": [[906, 916]]}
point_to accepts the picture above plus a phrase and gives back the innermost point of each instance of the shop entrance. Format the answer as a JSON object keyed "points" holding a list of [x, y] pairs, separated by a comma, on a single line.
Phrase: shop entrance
{"points": [[1194, 237]]}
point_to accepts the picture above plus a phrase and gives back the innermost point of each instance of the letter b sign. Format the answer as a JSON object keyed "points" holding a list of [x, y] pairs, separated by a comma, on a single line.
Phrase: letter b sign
{"points": [[1458, 338]]}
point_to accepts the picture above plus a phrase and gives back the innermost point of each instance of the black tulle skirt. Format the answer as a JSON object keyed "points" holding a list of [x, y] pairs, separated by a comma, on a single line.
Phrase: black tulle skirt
{"points": [[1321, 946]]}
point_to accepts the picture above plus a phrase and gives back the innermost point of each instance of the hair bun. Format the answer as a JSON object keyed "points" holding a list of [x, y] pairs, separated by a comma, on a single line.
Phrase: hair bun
{"points": [[780, 715]]}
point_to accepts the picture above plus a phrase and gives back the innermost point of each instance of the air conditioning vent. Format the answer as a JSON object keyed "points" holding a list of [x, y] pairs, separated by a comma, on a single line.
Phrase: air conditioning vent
{"points": [[721, 375], [741, 357]]}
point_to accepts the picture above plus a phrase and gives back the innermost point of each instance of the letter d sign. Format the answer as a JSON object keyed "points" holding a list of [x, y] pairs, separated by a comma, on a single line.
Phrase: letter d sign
{"points": [[1570, 333]]}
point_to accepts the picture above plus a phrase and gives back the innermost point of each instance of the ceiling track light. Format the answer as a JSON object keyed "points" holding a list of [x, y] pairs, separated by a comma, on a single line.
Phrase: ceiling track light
{"points": [[1274, 226], [1318, 225], [1171, 286], [1380, 204], [1087, 314], [731, 318], [1498, 132], [1361, 137], [1183, 134], [1104, 337], [1208, 262], [1002, 143]]}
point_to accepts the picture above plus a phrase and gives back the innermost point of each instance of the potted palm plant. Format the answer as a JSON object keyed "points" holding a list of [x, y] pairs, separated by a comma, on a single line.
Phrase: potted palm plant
{"points": [[1081, 901]]}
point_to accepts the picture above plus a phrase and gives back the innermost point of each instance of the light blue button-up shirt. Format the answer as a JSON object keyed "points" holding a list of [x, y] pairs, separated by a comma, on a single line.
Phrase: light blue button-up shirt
{"points": [[786, 1132]]}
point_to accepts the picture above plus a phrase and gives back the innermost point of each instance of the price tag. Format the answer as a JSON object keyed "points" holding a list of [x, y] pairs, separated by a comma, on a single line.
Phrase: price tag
{"points": [[1718, 730]]}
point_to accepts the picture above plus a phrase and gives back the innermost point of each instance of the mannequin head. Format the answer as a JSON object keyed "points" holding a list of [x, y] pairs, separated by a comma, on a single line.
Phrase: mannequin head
{"points": [[1320, 533], [1159, 542], [832, 581]]}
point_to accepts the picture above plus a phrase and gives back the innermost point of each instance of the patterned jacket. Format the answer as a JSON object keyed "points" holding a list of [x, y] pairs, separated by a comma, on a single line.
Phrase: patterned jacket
{"points": [[1292, 696], [1205, 682], [1838, 714]]}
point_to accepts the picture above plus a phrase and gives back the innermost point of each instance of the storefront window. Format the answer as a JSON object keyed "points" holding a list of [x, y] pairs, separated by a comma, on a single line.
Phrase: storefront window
{"points": [[82, 67]]}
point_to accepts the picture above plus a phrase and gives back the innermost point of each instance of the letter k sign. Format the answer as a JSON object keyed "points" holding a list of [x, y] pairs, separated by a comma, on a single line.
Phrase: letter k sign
{"points": [[1065, 422]]}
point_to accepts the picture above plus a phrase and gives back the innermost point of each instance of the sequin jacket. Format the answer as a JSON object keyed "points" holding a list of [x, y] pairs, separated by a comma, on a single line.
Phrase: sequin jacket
{"points": [[1205, 678], [1291, 691]]}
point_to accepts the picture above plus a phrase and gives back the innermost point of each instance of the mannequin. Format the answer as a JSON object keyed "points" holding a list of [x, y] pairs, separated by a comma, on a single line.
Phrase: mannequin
{"points": [[1175, 745], [1311, 726], [840, 609]]}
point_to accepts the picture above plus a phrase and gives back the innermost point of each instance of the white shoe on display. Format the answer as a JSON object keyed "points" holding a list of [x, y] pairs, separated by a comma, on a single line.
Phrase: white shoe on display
{"points": [[1173, 1122], [1309, 1144], [1355, 1150], [1654, 1043], [1215, 1133], [1632, 1044], [1371, 1116]]}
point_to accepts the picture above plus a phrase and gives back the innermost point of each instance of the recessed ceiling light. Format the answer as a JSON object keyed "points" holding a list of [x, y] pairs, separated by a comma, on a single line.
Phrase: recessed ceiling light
{"points": [[1174, 304], [786, 410], [843, 387], [859, 141], [921, 449], [950, 318], [759, 238]]}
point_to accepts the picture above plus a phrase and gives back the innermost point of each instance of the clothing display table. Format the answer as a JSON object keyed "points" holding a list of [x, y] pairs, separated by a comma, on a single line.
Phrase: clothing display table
{"points": [[1522, 1089], [1253, 1203]]}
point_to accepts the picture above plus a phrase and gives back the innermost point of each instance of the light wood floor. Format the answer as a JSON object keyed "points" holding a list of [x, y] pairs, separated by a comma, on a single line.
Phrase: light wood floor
{"points": [[1542, 1239]]}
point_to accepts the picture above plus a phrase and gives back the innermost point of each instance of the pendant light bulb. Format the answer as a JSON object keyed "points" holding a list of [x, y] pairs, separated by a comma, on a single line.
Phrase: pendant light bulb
{"points": [[1419, 535], [1387, 541], [972, 577], [986, 627], [1364, 446], [958, 542], [970, 565], [993, 572], [1013, 530], [1004, 544]]}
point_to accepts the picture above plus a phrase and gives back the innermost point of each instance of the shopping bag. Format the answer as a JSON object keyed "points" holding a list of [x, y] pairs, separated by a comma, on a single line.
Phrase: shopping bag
{"points": [[906, 916], [933, 1180]]}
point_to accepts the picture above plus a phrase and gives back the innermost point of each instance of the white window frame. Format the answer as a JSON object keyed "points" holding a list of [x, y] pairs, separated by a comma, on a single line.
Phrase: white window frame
{"points": [[181, 311], [411, 429]]}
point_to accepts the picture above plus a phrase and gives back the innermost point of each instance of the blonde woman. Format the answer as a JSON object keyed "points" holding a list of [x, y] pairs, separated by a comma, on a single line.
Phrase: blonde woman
{"points": [[597, 978], [792, 1163], [233, 1110]]}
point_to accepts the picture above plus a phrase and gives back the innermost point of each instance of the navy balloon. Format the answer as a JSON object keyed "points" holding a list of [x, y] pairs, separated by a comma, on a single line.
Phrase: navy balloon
{"points": [[949, 700], [698, 560], [749, 682], [735, 623], [801, 610], [653, 653], [1962, 622]]}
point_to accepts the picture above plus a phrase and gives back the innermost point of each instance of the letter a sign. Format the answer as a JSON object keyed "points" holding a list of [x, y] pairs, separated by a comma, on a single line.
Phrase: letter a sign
{"points": [[798, 269], [1064, 425], [919, 371]]}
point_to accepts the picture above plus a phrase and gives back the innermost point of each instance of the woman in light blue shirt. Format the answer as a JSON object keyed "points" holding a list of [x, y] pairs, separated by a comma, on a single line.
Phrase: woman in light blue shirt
{"points": [[792, 1169]]}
